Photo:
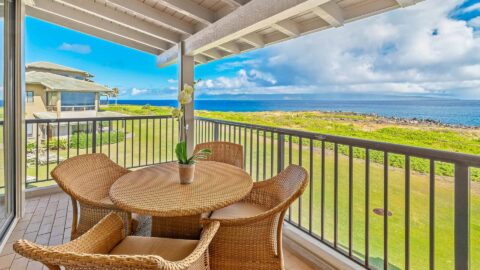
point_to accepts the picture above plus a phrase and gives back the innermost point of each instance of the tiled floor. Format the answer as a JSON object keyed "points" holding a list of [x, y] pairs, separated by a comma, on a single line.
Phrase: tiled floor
{"points": [[48, 221]]}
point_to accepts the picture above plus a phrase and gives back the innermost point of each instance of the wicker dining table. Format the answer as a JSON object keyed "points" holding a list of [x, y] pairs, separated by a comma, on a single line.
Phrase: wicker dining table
{"points": [[177, 209]]}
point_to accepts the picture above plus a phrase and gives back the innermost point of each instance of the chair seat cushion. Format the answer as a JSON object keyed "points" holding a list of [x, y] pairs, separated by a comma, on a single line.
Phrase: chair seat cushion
{"points": [[167, 248], [238, 210]]}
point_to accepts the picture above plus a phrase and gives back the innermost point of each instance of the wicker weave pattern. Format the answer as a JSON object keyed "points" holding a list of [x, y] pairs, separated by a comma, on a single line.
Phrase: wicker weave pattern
{"points": [[225, 152], [87, 179], [90, 251], [156, 190], [187, 227], [256, 242]]}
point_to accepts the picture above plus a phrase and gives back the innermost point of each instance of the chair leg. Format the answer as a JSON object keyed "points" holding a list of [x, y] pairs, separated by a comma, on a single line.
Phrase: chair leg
{"points": [[74, 232]]}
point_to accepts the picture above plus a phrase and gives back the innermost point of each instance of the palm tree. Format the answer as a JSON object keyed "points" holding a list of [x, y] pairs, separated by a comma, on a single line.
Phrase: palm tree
{"points": [[115, 94]]}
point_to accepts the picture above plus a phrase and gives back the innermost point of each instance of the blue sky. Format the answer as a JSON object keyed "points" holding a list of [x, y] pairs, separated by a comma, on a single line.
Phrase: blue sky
{"points": [[429, 50]]}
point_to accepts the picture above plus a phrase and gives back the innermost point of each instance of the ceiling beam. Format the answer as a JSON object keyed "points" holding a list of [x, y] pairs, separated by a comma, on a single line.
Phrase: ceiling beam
{"points": [[158, 16], [200, 59], [230, 47], [85, 18], [124, 19], [406, 3], [213, 53], [253, 16], [191, 9], [254, 39], [87, 29], [235, 3], [287, 27], [331, 13]]}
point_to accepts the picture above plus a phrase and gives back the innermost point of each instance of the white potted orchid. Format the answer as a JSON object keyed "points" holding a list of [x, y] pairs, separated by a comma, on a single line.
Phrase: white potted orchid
{"points": [[186, 164]]}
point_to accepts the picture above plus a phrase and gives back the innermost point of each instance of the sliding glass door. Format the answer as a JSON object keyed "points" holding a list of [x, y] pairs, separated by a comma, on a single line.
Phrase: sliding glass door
{"points": [[11, 115]]}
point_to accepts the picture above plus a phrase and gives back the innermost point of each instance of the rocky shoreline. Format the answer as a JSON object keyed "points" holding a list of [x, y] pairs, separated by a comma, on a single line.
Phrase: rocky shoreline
{"points": [[405, 121]]}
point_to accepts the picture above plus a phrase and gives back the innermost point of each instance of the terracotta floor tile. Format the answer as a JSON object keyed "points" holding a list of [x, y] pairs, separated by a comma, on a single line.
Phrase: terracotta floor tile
{"points": [[48, 222]]}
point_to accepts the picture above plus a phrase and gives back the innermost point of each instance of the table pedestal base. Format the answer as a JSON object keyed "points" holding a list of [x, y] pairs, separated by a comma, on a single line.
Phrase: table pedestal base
{"points": [[187, 227]]}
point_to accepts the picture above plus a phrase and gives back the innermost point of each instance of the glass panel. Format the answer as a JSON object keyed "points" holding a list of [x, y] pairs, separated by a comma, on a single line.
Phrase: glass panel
{"points": [[6, 183], [51, 98], [78, 99], [29, 96]]}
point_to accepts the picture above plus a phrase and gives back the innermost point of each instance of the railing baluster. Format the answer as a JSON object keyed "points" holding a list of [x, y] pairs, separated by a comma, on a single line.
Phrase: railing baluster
{"points": [[132, 141], [173, 139], [300, 154], [146, 142], [251, 151], [264, 155], [462, 217], [432, 215], [101, 136], [36, 152], [58, 143], [48, 149], [153, 141], [109, 135], [68, 139], [78, 138], [322, 203], [94, 137], [139, 142], [335, 196], [125, 143], [310, 200], [116, 154], [258, 153], [367, 206], [350, 199], [385, 210], [271, 152]]}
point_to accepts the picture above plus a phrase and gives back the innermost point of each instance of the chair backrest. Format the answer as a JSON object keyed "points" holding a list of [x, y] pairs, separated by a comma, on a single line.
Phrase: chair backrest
{"points": [[226, 152], [284, 188], [91, 250], [87, 178]]}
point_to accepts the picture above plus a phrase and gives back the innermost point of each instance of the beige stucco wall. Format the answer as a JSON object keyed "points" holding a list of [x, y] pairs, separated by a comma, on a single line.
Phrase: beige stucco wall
{"points": [[39, 100]]}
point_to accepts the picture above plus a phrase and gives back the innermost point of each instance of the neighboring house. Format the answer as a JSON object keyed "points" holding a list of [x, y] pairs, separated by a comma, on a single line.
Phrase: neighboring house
{"points": [[56, 91]]}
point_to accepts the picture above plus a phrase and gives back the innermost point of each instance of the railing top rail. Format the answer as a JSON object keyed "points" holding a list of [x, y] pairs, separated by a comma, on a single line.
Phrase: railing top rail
{"points": [[437, 155], [90, 119]]}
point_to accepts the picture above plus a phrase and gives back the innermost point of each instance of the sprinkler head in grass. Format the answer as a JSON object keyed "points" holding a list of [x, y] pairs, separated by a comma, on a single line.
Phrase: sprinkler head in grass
{"points": [[381, 212]]}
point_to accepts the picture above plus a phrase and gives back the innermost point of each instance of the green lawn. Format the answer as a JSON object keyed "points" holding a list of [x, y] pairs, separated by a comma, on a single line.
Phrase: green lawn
{"points": [[460, 140]]}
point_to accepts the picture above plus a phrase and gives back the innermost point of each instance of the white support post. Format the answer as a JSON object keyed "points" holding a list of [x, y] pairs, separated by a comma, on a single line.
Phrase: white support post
{"points": [[186, 67]]}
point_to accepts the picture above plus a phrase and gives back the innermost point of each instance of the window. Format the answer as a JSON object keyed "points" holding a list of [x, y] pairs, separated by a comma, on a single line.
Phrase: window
{"points": [[29, 96], [51, 98]]}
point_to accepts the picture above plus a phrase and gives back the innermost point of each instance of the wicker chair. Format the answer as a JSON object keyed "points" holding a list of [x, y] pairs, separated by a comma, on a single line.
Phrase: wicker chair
{"points": [[87, 179], [105, 247], [225, 152], [250, 234]]}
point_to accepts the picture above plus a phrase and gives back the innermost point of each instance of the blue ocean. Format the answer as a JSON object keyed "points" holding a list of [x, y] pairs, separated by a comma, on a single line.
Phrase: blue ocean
{"points": [[457, 112]]}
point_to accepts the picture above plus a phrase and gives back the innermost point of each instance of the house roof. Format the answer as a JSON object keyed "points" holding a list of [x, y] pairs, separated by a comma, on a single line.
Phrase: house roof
{"points": [[208, 29], [53, 66], [56, 82]]}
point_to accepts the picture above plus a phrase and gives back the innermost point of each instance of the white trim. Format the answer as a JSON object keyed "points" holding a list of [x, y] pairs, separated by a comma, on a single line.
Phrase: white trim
{"points": [[158, 16], [78, 16], [314, 252], [42, 191], [124, 19], [8, 233], [331, 13], [191, 9]]}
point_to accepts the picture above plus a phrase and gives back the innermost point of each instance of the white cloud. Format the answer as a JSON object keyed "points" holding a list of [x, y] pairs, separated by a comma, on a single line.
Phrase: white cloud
{"points": [[475, 22], [172, 81], [403, 51], [471, 8], [238, 64], [76, 48], [136, 91], [243, 79]]}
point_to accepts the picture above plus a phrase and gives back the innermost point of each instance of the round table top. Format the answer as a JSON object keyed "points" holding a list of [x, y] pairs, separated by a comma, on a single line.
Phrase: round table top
{"points": [[157, 191]]}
